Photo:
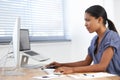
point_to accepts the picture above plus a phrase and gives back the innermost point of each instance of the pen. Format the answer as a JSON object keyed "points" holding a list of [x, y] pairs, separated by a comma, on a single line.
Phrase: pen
{"points": [[88, 75]]}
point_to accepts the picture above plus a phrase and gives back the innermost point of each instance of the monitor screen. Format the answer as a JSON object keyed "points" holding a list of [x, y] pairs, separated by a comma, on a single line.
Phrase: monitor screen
{"points": [[24, 40]]}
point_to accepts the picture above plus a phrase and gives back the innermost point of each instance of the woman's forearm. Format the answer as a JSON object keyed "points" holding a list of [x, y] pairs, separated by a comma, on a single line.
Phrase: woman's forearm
{"points": [[90, 68], [76, 64], [85, 62]]}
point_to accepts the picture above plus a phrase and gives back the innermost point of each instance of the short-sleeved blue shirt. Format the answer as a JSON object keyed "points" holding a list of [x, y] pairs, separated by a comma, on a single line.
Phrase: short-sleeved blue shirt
{"points": [[112, 39]]}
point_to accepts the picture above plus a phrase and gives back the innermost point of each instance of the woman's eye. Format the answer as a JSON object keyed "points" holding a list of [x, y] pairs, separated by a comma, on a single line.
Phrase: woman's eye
{"points": [[87, 20]]}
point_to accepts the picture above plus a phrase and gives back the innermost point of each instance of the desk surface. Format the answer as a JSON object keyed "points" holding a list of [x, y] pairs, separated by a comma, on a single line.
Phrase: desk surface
{"points": [[29, 73]]}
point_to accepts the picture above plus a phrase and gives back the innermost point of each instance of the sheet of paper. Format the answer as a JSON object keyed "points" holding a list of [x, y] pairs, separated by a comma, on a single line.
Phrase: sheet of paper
{"points": [[91, 75], [47, 77]]}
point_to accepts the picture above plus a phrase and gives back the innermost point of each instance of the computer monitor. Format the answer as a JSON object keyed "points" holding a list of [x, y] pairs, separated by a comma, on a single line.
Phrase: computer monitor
{"points": [[16, 50], [16, 42], [26, 48]]}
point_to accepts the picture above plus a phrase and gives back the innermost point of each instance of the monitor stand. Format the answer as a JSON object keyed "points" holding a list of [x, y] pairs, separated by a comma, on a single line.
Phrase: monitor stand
{"points": [[24, 63]]}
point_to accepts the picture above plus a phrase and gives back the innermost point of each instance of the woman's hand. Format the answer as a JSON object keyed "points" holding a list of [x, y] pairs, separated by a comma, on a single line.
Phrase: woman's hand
{"points": [[65, 70], [54, 64]]}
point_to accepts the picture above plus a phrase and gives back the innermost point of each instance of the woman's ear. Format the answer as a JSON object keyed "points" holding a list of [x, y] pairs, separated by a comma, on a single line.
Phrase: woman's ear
{"points": [[100, 20]]}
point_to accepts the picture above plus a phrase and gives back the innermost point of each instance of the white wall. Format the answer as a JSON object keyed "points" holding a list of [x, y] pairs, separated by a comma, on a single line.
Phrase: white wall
{"points": [[117, 14], [75, 20], [77, 48]]}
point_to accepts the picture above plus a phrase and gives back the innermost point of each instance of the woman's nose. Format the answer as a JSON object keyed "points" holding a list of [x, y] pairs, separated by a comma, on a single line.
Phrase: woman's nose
{"points": [[85, 24]]}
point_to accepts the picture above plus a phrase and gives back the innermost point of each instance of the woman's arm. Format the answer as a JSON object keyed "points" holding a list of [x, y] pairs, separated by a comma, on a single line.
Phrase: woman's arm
{"points": [[104, 62], [87, 61]]}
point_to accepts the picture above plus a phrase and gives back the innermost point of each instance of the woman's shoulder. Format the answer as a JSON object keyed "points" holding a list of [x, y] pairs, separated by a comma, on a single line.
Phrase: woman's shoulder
{"points": [[113, 34]]}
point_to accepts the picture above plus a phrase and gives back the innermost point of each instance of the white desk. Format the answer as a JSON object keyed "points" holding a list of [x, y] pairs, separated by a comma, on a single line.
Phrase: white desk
{"points": [[37, 72]]}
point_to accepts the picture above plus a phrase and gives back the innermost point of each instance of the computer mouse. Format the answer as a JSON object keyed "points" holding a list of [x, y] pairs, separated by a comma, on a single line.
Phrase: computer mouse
{"points": [[51, 67]]}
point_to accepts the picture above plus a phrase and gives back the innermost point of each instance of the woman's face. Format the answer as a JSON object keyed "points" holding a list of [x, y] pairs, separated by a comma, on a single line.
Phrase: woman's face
{"points": [[91, 23]]}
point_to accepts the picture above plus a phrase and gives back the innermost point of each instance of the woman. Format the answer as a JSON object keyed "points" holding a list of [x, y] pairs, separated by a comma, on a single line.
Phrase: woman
{"points": [[104, 50]]}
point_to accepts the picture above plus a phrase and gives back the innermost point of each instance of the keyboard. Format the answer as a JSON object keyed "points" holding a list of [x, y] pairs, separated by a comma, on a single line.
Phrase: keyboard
{"points": [[33, 66], [35, 55], [31, 53]]}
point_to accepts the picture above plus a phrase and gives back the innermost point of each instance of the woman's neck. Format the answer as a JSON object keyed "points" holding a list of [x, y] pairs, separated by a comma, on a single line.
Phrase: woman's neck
{"points": [[101, 32]]}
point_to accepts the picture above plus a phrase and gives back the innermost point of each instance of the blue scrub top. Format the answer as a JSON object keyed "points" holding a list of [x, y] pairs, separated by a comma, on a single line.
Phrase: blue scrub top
{"points": [[110, 38]]}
